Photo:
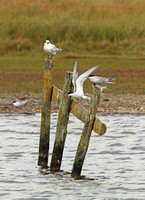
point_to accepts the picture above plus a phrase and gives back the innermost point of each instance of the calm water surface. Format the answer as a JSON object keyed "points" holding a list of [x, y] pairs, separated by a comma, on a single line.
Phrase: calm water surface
{"points": [[114, 167]]}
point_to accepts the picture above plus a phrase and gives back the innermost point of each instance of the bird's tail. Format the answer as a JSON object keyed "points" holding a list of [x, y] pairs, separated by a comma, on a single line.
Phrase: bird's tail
{"points": [[59, 49]]}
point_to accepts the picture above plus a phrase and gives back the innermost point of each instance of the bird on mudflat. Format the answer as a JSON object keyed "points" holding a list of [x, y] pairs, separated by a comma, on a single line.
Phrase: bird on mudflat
{"points": [[97, 80], [79, 94], [19, 103], [50, 49]]}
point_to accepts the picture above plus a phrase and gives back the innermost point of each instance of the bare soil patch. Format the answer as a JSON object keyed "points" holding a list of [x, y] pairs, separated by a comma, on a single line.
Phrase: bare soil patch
{"points": [[110, 103]]}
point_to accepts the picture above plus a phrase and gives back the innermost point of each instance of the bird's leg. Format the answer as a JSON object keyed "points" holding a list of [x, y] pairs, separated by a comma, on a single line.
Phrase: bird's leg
{"points": [[96, 86], [78, 101], [51, 57]]}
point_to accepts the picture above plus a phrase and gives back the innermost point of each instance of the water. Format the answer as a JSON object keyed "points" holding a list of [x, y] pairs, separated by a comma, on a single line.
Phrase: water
{"points": [[114, 167]]}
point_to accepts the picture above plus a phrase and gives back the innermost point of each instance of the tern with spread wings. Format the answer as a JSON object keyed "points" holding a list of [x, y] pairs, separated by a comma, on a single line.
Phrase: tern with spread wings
{"points": [[75, 75], [79, 93]]}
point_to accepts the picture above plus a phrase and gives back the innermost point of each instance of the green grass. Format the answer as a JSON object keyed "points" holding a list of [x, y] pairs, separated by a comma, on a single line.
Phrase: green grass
{"points": [[25, 73]]}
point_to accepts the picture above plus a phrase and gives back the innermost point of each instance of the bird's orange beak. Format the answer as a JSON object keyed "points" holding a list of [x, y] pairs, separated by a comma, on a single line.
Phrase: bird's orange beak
{"points": [[87, 77], [66, 95], [96, 86]]}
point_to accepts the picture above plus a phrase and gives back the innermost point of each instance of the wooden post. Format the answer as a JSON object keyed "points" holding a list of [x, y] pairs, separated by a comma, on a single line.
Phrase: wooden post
{"points": [[79, 111], [45, 115], [61, 131], [86, 134]]}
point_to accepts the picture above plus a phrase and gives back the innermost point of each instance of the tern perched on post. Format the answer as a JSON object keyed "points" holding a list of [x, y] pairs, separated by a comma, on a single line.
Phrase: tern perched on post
{"points": [[50, 49], [78, 93]]}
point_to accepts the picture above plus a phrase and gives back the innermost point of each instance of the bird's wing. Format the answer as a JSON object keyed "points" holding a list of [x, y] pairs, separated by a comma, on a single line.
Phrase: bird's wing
{"points": [[75, 75], [105, 80], [53, 48], [101, 80], [98, 80], [82, 78]]}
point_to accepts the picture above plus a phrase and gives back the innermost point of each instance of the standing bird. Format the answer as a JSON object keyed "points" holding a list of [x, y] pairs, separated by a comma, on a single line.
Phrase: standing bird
{"points": [[79, 94], [97, 80], [19, 103], [75, 75], [50, 49]]}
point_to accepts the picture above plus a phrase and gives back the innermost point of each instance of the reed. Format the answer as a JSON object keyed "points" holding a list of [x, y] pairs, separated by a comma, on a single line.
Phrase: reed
{"points": [[107, 33], [28, 23]]}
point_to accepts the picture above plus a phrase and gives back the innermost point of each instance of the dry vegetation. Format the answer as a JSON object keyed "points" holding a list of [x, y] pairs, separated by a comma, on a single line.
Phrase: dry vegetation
{"points": [[102, 26], [107, 33]]}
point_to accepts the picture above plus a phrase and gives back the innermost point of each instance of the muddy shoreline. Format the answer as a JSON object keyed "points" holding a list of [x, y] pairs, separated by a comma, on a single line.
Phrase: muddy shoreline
{"points": [[110, 103]]}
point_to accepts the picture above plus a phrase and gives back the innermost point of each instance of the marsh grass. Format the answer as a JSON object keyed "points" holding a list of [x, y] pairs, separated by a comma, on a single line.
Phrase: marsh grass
{"points": [[25, 73], [107, 33], [106, 26]]}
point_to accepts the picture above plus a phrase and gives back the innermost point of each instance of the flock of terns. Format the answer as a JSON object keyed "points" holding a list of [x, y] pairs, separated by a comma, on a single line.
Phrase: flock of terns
{"points": [[78, 93]]}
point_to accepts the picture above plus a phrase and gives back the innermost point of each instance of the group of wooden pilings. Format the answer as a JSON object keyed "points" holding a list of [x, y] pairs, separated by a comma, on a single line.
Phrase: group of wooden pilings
{"points": [[66, 105]]}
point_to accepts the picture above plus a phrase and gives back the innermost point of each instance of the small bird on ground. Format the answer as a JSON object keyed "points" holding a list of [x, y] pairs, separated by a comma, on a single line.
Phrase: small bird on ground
{"points": [[78, 93], [50, 49], [97, 80], [19, 103]]}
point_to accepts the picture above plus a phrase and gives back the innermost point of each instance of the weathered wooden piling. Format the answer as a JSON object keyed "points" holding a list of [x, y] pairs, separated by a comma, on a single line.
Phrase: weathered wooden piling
{"points": [[80, 112], [86, 134], [61, 130], [66, 105], [45, 115]]}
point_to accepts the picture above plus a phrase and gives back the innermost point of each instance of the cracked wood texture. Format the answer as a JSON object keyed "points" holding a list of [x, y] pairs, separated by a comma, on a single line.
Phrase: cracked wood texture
{"points": [[61, 130], [45, 114], [86, 134]]}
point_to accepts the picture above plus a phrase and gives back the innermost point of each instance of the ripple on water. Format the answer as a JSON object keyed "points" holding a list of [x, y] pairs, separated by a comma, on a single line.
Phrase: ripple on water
{"points": [[113, 168]]}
